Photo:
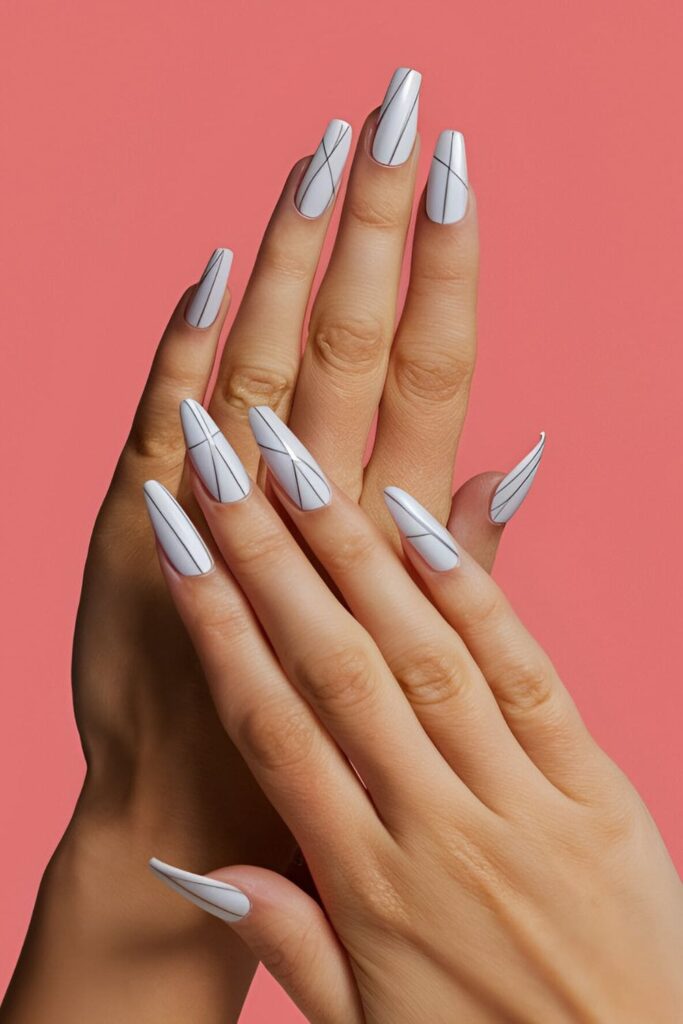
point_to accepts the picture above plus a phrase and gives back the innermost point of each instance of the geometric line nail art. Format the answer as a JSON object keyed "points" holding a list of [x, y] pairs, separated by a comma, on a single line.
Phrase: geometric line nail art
{"points": [[291, 463], [396, 126], [425, 533], [513, 488], [447, 186], [176, 533], [208, 295], [319, 184], [218, 898], [215, 461]]}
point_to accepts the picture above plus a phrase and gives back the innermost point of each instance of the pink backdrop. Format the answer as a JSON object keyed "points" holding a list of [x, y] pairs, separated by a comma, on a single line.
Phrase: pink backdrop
{"points": [[141, 134]]}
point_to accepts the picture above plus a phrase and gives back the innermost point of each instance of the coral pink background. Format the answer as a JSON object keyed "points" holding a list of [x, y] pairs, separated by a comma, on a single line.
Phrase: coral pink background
{"points": [[142, 134]]}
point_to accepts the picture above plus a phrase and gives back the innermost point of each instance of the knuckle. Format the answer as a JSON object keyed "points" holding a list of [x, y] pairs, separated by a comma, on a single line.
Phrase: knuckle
{"points": [[245, 386], [224, 621], [526, 688], [379, 211], [351, 553], [348, 345], [431, 379], [342, 679], [262, 549], [429, 678], [277, 734], [282, 262], [285, 955]]}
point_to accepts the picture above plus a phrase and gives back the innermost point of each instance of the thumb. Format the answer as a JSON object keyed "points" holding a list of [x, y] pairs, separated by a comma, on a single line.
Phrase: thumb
{"points": [[284, 928], [470, 522]]}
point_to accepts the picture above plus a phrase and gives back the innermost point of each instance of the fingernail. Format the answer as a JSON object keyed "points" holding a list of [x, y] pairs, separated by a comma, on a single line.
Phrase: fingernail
{"points": [[397, 122], [319, 184], [215, 461], [447, 188], [422, 531], [513, 489], [203, 307], [184, 548], [217, 898], [291, 464]]}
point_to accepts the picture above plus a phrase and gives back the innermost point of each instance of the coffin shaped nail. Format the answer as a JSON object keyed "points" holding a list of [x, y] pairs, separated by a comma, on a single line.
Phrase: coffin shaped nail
{"points": [[291, 464], [217, 898], [182, 545], [447, 188], [203, 307], [215, 461], [397, 121], [319, 184], [422, 531], [513, 489]]}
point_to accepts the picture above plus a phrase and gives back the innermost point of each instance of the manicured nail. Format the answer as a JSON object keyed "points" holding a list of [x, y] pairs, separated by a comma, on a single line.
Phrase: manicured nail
{"points": [[447, 188], [217, 898], [513, 489], [215, 461], [203, 307], [397, 122], [291, 464], [319, 184], [184, 548], [424, 533]]}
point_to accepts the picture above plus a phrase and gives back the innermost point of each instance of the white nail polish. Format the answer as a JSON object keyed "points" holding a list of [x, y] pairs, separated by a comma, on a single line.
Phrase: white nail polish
{"points": [[447, 188], [203, 307], [319, 184], [422, 531], [217, 898], [397, 121], [184, 548], [215, 461], [291, 464], [513, 489]]}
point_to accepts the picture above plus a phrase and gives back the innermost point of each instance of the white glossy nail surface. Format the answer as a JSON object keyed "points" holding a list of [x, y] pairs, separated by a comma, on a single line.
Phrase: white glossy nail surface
{"points": [[319, 184], [423, 532], [203, 307], [291, 464], [184, 548], [447, 188], [397, 121], [215, 461], [513, 489], [217, 898]]}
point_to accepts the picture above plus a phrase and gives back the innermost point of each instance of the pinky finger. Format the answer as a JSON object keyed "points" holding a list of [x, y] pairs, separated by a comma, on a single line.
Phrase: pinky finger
{"points": [[284, 928]]}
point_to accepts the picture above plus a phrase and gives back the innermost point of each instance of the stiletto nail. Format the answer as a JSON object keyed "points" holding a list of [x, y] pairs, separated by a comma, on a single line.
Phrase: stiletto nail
{"points": [[397, 122], [423, 532], [203, 307], [217, 898], [447, 188], [184, 548], [319, 184], [291, 464], [513, 489], [215, 461]]}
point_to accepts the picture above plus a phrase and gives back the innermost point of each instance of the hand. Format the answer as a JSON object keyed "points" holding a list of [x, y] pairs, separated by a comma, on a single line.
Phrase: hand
{"points": [[496, 865], [161, 772]]}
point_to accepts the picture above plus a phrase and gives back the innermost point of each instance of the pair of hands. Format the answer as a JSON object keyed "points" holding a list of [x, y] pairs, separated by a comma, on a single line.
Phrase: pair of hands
{"points": [[163, 776]]}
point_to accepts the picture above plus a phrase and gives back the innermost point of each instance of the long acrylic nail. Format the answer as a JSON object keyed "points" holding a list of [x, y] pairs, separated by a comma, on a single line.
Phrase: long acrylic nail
{"points": [[184, 548], [422, 531], [447, 187], [215, 461], [319, 184], [203, 307], [291, 464], [397, 121], [513, 489], [217, 898]]}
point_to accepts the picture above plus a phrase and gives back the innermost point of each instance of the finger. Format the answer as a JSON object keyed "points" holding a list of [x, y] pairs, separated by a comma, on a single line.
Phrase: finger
{"points": [[284, 928], [261, 358], [537, 707], [354, 315], [326, 654], [432, 360], [469, 520], [292, 758], [447, 691]]}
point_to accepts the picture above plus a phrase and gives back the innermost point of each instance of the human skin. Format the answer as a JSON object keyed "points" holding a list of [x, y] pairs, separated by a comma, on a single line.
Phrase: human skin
{"points": [[496, 865], [162, 777]]}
